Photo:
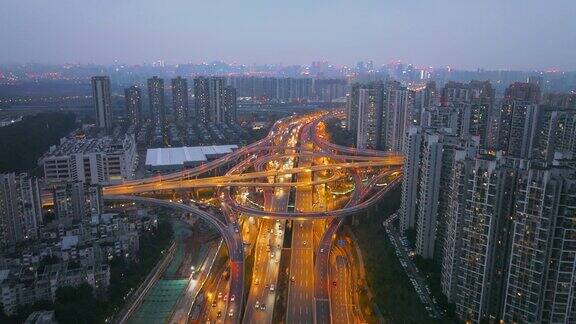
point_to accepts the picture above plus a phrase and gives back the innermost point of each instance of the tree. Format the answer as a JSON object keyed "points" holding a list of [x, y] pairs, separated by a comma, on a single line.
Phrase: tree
{"points": [[78, 305]]}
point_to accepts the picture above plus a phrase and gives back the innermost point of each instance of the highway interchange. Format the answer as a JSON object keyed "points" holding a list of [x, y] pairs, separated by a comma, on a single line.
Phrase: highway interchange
{"points": [[296, 178]]}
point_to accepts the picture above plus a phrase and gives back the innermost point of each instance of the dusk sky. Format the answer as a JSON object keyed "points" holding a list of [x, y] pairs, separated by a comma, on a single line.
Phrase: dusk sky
{"points": [[491, 34]]}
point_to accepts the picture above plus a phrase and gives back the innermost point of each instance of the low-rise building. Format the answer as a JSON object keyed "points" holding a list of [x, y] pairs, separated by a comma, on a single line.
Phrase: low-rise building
{"points": [[93, 159], [178, 158]]}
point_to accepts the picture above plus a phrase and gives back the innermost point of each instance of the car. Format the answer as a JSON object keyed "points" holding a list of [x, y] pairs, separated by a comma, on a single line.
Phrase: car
{"points": [[219, 314], [267, 286], [272, 255], [226, 297], [322, 250], [257, 281], [272, 287], [257, 306], [292, 279], [262, 306], [232, 298], [214, 304], [231, 313], [219, 295]]}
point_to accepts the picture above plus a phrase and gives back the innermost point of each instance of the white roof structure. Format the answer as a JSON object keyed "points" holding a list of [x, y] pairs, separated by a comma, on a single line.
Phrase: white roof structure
{"points": [[69, 241], [178, 157]]}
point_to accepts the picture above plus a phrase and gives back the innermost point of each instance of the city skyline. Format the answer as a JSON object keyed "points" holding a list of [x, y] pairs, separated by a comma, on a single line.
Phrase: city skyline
{"points": [[288, 162], [514, 35]]}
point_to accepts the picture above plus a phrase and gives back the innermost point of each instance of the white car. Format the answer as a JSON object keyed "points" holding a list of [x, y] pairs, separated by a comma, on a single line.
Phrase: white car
{"points": [[272, 287]]}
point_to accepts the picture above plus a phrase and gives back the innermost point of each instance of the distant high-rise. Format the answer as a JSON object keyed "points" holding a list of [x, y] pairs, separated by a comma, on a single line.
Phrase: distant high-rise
{"points": [[156, 101], [474, 103], [214, 102], [556, 134], [180, 98], [352, 108], [102, 101], [229, 104], [519, 119], [133, 97], [524, 92]]}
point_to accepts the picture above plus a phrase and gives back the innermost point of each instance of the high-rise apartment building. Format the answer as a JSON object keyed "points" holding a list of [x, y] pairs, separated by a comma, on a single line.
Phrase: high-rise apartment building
{"points": [[101, 96], [458, 194], [484, 235], [273, 89], [412, 148], [519, 120], [156, 101], [369, 117], [556, 134], [74, 200], [523, 92], [541, 280], [474, 102], [20, 208], [229, 104], [429, 157], [396, 117], [213, 99], [133, 98], [352, 108], [180, 98], [430, 165]]}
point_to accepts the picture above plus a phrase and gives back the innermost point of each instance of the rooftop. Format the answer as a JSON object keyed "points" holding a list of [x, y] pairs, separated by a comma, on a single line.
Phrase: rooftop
{"points": [[89, 141], [186, 155]]}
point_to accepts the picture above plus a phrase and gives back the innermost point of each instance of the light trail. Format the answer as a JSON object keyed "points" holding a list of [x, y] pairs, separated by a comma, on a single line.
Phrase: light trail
{"points": [[269, 164]]}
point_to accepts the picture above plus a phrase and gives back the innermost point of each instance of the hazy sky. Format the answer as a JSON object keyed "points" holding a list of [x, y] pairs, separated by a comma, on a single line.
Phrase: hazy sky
{"points": [[498, 34]]}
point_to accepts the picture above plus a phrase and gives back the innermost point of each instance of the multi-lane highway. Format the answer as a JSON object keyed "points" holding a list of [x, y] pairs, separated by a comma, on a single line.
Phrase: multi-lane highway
{"points": [[294, 164], [301, 288]]}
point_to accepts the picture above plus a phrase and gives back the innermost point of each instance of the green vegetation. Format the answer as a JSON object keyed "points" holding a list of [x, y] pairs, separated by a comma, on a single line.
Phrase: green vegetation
{"points": [[248, 272], [280, 304], [21, 148], [338, 134], [79, 305], [126, 275], [22, 312], [393, 292], [432, 272]]}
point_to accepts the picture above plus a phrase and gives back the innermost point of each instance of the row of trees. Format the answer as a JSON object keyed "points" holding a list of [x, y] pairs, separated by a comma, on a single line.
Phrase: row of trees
{"points": [[24, 142]]}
